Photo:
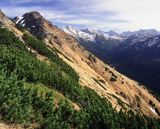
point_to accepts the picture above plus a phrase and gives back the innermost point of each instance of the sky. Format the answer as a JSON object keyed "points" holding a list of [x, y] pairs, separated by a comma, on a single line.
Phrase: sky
{"points": [[117, 15]]}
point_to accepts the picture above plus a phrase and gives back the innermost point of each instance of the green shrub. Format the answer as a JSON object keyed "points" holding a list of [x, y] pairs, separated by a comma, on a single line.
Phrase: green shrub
{"points": [[33, 106], [41, 48], [112, 79]]}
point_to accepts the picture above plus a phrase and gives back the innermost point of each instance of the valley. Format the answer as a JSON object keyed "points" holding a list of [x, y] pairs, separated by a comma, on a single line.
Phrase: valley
{"points": [[135, 54], [49, 80]]}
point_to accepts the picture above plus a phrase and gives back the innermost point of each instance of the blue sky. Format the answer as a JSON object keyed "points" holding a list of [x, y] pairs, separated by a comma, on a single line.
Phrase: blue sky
{"points": [[118, 15]]}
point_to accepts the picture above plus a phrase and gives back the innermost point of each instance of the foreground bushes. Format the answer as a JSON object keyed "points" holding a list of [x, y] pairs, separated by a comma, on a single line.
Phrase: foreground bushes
{"points": [[34, 107], [41, 48], [27, 106]]}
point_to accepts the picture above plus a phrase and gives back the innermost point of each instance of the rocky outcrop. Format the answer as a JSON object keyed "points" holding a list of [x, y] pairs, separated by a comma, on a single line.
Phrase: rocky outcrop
{"points": [[35, 23]]}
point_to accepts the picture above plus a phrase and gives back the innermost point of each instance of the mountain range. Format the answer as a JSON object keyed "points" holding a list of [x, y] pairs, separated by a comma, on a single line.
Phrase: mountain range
{"points": [[50, 79], [90, 34], [135, 54]]}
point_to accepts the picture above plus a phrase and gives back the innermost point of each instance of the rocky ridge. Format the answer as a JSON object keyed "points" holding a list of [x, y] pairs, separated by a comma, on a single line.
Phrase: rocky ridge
{"points": [[121, 91]]}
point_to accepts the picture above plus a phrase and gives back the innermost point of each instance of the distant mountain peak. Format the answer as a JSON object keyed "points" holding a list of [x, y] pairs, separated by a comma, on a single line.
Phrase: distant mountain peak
{"points": [[34, 22], [90, 30], [78, 33], [31, 16], [111, 32], [144, 32], [95, 74], [34, 15], [90, 34], [68, 27]]}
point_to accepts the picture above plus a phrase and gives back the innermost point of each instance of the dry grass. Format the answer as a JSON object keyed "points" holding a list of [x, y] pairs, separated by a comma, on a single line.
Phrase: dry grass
{"points": [[8, 126], [127, 90]]}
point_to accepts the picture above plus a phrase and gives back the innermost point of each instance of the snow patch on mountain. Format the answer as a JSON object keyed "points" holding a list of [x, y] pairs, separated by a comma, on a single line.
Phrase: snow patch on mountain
{"points": [[78, 33], [153, 41], [91, 34], [141, 38], [153, 110], [144, 33], [106, 35], [18, 19]]}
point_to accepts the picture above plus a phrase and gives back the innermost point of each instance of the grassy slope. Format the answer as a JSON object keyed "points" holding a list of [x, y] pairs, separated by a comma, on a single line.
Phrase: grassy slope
{"points": [[29, 103]]}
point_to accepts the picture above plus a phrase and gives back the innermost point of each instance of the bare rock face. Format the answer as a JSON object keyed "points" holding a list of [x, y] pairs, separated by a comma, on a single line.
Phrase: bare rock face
{"points": [[35, 23], [38, 26]]}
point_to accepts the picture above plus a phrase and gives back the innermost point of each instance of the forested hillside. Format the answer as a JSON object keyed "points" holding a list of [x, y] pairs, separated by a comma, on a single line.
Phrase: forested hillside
{"points": [[92, 72], [41, 94]]}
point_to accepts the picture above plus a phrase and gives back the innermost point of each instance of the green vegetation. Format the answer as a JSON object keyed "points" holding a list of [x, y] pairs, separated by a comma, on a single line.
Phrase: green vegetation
{"points": [[106, 69], [113, 75], [102, 81], [112, 79], [99, 82], [25, 105], [120, 102], [43, 50], [26, 100]]}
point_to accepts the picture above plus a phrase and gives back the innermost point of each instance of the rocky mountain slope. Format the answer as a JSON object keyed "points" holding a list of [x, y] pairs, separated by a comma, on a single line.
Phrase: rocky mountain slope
{"points": [[45, 73], [91, 34], [93, 73], [96, 41], [4, 20], [139, 60], [102, 43], [136, 56]]}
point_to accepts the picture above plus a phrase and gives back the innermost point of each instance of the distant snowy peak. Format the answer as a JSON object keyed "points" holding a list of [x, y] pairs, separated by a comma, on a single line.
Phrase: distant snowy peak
{"points": [[151, 42], [141, 33], [106, 35], [127, 34], [78, 33], [128, 38], [112, 33], [139, 36], [91, 34], [90, 31]]}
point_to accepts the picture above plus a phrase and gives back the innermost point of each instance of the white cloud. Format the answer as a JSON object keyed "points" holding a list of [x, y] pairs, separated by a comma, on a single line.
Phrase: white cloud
{"points": [[101, 14], [79, 22], [140, 13]]}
